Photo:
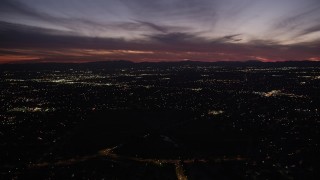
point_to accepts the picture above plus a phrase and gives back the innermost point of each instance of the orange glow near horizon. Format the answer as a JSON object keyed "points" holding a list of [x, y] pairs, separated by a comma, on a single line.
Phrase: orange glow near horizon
{"points": [[17, 58], [90, 55]]}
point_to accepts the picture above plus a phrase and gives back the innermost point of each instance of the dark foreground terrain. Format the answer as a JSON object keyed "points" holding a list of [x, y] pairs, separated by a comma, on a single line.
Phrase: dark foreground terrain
{"points": [[186, 120]]}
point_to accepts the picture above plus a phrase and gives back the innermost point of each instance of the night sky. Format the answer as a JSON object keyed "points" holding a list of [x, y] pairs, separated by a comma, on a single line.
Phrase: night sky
{"points": [[159, 30]]}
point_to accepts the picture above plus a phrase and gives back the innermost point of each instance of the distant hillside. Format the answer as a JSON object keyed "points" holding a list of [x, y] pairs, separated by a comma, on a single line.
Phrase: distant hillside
{"points": [[125, 63]]}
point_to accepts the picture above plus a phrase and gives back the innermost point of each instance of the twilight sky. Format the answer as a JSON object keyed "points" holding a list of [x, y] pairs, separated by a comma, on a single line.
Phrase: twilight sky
{"points": [[156, 30]]}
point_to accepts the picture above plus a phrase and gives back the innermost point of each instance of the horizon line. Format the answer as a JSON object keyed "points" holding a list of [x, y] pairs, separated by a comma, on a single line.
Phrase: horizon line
{"points": [[160, 61]]}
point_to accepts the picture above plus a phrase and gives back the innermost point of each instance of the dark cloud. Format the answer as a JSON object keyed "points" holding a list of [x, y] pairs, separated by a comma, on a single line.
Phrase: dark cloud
{"points": [[230, 38], [71, 23], [80, 25], [15, 35], [310, 30], [294, 20], [300, 22], [13, 6], [22, 36], [202, 12], [176, 38], [153, 26], [173, 7]]}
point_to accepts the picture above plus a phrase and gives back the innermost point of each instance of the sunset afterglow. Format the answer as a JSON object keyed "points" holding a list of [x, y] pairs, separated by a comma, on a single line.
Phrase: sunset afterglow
{"points": [[167, 30]]}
